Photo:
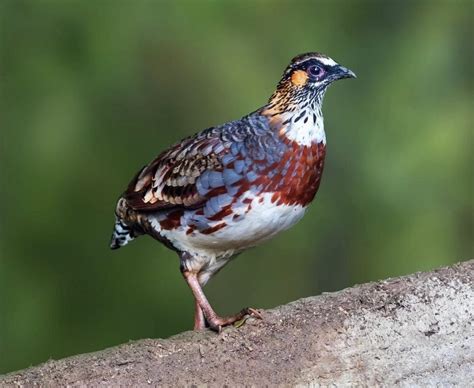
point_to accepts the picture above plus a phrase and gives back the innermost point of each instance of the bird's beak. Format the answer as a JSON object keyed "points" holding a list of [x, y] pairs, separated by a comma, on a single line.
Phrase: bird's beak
{"points": [[340, 72]]}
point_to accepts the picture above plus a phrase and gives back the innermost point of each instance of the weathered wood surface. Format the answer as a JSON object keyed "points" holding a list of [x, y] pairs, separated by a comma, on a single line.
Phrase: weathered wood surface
{"points": [[413, 330]]}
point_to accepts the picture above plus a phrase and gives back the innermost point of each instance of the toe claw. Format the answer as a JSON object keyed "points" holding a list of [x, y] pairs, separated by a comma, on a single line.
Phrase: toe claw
{"points": [[215, 327], [254, 313], [216, 323]]}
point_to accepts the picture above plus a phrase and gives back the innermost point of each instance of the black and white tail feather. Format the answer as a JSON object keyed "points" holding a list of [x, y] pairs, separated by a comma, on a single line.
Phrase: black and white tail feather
{"points": [[122, 234]]}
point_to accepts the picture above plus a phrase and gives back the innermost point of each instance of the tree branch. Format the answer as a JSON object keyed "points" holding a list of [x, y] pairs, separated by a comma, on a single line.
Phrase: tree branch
{"points": [[413, 330]]}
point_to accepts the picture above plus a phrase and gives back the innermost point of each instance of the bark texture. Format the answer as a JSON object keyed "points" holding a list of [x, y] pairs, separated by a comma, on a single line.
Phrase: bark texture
{"points": [[413, 330]]}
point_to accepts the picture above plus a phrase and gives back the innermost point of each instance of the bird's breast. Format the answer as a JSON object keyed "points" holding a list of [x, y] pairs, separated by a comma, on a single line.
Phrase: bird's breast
{"points": [[298, 174]]}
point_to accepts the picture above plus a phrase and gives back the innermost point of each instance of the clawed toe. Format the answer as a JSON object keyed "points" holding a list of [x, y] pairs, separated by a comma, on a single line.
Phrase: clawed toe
{"points": [[217, 323], [253, 312]]}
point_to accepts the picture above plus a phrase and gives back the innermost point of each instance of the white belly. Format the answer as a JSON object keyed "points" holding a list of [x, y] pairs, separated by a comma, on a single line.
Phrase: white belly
{"points": [[263, 221]]}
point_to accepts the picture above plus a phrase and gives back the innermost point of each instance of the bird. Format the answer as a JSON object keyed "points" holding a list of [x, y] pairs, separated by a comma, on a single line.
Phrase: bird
{"points": [[231, 187]]}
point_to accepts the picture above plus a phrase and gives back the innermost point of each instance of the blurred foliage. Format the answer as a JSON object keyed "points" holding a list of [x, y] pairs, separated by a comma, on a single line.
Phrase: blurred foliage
{"points": [[91, 91]]}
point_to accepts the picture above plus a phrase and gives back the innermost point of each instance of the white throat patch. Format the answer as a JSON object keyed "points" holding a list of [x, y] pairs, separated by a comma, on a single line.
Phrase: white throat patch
{"points": [[305, 127]]}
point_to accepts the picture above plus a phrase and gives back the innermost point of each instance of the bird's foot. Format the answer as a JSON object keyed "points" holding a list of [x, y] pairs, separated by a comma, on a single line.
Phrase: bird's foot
{"points": [[216, 323], [204, 312]]}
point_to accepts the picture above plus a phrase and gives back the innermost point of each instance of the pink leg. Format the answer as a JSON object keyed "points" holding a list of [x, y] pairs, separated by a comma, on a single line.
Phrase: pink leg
{"points": [[199, 321], [215, 322]]}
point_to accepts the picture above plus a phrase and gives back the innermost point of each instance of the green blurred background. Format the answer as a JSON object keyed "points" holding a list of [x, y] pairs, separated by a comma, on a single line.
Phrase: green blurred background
{"points": [[92, 90]]}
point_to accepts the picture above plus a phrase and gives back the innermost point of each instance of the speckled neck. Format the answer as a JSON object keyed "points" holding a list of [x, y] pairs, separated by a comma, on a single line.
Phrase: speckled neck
{"points": [[296, 114]]}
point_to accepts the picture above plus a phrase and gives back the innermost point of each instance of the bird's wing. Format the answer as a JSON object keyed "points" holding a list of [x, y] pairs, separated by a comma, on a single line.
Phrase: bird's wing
{"points": [[183, 176]]}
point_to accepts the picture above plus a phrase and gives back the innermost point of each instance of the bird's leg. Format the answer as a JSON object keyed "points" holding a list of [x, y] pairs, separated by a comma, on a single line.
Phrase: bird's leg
{"points": [[215, 322], [199, 320]]}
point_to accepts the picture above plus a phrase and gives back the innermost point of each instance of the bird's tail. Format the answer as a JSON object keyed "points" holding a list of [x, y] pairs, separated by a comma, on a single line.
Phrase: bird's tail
{"points": [[122, 234]]}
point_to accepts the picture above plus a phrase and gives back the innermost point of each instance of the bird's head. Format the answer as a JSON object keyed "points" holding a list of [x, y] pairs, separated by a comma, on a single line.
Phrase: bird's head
{"points": [[314, 71], [307, 77]]}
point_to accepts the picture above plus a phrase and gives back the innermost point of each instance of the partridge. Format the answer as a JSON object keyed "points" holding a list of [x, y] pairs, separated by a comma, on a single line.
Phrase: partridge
{"points": [[232, 187]]}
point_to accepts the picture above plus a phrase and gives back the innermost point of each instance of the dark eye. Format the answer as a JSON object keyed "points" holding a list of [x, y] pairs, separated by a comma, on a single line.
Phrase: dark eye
{"points": [[315, 71]]}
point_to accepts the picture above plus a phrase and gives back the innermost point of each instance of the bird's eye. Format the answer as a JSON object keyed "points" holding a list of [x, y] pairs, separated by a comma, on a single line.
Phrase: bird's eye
{"points": [[315, 71]]}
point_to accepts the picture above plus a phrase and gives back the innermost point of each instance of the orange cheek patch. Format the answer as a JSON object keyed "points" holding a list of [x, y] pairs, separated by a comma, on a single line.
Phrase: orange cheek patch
{"points": [[299, 78]]}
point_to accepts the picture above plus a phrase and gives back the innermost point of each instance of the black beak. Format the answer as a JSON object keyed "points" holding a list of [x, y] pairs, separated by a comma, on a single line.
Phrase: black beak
{"points": [[340, 72]]}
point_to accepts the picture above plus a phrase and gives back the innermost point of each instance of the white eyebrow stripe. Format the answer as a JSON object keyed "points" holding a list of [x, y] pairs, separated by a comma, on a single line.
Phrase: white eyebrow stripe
{"points": [[327, 61]]}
